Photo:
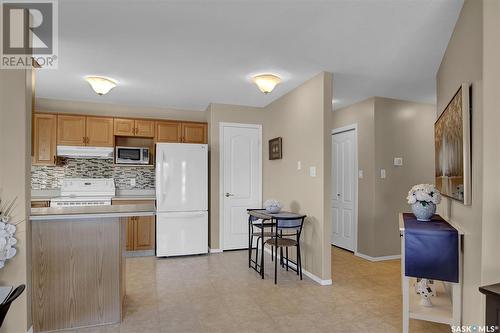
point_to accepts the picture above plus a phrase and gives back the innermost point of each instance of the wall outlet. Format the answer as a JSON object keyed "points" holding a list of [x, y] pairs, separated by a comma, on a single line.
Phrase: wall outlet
{"points": [[299, 165], [132, 182], [398, 161], [382, 173], [312, 171]]}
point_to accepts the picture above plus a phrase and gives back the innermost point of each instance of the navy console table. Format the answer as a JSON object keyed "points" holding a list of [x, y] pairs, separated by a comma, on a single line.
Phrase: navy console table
{"points": [[447, 306]]}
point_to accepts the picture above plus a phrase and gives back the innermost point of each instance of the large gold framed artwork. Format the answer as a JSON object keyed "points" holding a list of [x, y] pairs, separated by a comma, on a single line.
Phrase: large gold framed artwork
{"points": [[453, 147]]}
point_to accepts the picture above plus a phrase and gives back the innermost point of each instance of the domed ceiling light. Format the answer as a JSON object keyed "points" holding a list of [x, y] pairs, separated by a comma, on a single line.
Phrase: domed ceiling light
{"points": [[100, 84], [266, 82]]}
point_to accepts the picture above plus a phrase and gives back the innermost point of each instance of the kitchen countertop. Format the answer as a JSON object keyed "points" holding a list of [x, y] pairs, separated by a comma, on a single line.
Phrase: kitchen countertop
{"points": [[47, 195], [68, 213]]}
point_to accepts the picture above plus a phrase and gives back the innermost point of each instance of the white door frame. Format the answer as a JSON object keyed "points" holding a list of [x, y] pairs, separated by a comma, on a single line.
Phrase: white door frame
{"points": [[221, 172], [351, 127]]}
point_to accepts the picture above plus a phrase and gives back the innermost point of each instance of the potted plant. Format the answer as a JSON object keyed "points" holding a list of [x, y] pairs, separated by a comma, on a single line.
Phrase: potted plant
{"points": [[7, 233], [423, 199]]}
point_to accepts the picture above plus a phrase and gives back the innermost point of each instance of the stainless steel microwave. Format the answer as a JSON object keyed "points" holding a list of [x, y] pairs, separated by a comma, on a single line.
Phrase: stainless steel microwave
{"points": [[132, 155]]}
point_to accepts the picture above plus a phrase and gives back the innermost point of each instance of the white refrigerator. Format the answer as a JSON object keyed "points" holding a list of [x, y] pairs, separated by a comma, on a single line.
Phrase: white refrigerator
{"points": [[181, 199]]}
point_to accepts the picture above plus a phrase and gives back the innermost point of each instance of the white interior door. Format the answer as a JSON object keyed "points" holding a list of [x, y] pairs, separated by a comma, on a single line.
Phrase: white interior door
{"points": [[241, 186], [343, 189]]}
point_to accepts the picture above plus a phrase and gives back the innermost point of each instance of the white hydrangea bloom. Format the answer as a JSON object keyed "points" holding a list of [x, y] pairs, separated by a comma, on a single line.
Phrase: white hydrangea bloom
{"points": [[424, 193], [7, 241]]}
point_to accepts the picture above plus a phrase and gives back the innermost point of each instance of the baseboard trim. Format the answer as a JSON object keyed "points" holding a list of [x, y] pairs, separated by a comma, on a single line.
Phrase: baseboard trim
{"points": [[145, 253], [310, 275], [375, 259], [214, 250]]}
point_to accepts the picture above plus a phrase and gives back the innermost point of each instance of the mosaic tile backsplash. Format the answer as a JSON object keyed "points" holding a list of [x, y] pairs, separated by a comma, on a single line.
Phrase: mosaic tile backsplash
{"points": [[50, 177]]}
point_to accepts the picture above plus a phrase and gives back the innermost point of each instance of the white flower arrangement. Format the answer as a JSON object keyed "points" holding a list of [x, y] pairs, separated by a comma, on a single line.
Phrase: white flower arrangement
{"points": [[425, 194], [272, 205], [7, 232]]}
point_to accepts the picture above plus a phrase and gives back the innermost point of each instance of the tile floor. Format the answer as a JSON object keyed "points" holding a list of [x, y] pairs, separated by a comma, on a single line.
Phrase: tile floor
{"points": [[219, 293]]}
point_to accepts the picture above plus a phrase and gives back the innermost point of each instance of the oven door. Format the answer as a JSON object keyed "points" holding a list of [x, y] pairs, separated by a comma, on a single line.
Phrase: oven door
{"points": [[130, 155]]}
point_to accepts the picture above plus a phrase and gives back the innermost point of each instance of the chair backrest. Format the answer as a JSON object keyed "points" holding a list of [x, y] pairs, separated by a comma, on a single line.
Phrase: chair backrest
{"points": [[4, 307], [291, 223]]}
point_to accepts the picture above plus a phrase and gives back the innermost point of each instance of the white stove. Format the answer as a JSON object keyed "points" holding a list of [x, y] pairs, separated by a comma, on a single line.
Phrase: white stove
{"points": [[77, 192]]}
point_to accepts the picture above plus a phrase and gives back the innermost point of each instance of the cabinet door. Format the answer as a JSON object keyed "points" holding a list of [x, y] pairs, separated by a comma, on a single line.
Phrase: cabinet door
{"points": [[44, 139], [129, 246], [145, 128], [144, 233], [168, 131], [100, 132], [194, 132], [71, 130], [124, 127]]}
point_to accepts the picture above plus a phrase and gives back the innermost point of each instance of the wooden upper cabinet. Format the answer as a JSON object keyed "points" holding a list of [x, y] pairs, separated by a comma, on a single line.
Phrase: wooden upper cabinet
{"points": [[71, 130], [194, 133], [100, 132], [145, 128], [44, 139], [168, 131], [134, 127], [124, 127]]}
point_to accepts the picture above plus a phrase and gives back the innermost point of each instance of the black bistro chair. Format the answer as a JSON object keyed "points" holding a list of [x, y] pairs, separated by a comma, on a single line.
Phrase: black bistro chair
{"points": [[255, 233], [286, 233], [4, 307]]}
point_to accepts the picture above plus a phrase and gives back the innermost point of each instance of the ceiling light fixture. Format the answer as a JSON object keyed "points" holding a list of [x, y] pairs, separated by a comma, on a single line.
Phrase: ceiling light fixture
{"points": [[266, 82], [100, 84]]}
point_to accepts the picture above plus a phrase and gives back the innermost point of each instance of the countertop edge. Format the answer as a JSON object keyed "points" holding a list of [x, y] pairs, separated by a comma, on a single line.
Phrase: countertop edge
{"points": [[88, 215]]}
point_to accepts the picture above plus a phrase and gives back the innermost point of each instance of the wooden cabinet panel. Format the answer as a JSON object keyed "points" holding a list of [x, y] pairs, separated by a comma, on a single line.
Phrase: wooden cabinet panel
{"points": [[145, 128], [144, 233], [130, 234], [71, 130], [140, 231], [194, 133], [100, 132], [168, 131], [124, 127], [40, 204], [44, 139]]}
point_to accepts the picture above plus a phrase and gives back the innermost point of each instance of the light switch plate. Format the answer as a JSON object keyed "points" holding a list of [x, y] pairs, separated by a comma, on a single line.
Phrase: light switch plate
{"points": [[299, 165], [312, 171], [398, 161], [360, 174], [382, 173]]}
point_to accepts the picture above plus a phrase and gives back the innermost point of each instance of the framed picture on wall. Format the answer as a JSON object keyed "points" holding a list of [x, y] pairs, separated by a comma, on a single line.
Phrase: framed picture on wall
{"points": [[453, 147], [275, 152]]}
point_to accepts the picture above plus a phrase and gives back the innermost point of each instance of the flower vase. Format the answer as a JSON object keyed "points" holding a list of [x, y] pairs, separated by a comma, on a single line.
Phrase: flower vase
{"points": [[423, 211]]}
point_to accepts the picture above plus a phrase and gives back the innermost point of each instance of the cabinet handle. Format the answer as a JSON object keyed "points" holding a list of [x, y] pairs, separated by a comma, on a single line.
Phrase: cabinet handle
{"points": [[55, 159]]}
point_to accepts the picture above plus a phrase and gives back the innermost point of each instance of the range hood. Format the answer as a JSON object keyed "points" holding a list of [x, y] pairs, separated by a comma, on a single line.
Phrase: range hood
{"points": [[85, 152]]}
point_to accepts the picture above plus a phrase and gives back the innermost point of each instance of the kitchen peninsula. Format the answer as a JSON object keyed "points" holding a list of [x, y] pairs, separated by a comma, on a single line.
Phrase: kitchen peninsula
{"points": [[78, 258]]}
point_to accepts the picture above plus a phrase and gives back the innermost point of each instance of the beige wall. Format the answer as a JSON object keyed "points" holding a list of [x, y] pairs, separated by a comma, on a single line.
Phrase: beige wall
{"points": [[491, 140], [363, 114], [104, 109], [463, 61], [218, 113], [388, 128], [15, 148], [402, 129], [301, 118]]}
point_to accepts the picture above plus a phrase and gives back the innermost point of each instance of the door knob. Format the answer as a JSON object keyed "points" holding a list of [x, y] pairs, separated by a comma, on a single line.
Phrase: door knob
{"points": [[229, 195], [338, 194]]}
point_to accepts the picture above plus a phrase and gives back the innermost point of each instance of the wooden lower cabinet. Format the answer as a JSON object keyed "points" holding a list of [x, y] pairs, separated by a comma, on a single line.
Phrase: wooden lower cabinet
{"points": [[144, 233], [140, 229]]}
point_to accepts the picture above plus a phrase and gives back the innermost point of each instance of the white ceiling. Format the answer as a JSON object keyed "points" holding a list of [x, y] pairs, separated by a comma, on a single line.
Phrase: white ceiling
{"points": [[186, 54]]}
